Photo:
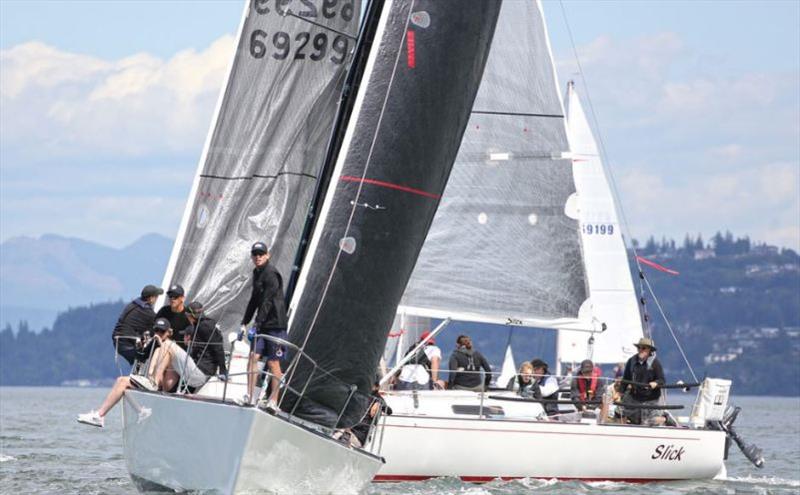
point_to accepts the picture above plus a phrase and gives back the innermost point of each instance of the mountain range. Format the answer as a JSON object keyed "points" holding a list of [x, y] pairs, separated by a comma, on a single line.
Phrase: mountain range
{"points": [[40, 277]]}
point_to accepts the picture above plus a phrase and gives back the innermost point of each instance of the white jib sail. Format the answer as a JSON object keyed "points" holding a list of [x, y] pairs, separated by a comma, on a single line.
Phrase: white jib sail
{"points": [[509, 368], [612, 297]]}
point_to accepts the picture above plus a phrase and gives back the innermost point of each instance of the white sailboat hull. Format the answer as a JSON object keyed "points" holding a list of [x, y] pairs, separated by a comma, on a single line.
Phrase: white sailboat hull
{"points": [[178, 443], [434, 442]]}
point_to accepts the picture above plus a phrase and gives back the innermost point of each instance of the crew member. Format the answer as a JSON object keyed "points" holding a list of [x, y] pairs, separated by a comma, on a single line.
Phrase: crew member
{"points": [[422, 371], [204, 340], [465, 365], [175, 313], [642, 382], [585, 384], [133, 322], [268, 305], [545, 386]]}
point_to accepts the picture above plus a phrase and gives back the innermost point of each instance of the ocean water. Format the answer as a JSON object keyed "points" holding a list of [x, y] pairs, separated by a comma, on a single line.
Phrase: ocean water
{"points": [[43, 451]]}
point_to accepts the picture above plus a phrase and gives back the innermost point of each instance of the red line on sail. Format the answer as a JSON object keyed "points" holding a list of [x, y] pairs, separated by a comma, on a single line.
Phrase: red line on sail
{"points": [[655, 265], [411, 49], [389, 185]]}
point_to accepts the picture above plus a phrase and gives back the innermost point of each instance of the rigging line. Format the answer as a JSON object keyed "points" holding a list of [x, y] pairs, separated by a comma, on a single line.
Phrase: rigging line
{"points": [[518, 114], [606, 164], [323, 26], [674, 337], [401, 45], [256, 176]]}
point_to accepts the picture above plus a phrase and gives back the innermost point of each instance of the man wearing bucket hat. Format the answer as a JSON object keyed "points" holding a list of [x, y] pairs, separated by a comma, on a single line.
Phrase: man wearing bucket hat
{"points": [[641, 382]]}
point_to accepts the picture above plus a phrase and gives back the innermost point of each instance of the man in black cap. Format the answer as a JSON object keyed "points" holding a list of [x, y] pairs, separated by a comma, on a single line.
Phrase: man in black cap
{"points": [[641, 383], [175, 313], [268, 304], [204, 341], [133, 322]]}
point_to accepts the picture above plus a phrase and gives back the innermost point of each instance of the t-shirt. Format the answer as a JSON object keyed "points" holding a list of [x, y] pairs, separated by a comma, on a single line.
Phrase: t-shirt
{"points": [[178, 321], [416, 372]]}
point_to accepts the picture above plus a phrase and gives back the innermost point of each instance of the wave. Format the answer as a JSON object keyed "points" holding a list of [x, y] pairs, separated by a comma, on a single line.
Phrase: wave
{"points": [[763, 480], [7, 458]]}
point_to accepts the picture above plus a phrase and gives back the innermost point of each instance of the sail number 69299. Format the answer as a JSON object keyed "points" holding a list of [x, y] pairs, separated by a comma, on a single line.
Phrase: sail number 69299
{"points": [[280, 44]]}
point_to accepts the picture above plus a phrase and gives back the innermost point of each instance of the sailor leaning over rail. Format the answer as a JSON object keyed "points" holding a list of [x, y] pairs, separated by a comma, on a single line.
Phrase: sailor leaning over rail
{"points": [[643, 368], [268, 304], [136, 318], [161, 331], [422, 371]]}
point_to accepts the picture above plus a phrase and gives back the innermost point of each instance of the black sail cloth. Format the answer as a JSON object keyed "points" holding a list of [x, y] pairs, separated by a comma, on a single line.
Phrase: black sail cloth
{"points": [[410, 112]]}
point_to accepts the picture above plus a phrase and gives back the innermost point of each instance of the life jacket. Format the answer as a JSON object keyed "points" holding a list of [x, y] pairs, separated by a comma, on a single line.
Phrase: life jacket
{"points": [[582, 391]]}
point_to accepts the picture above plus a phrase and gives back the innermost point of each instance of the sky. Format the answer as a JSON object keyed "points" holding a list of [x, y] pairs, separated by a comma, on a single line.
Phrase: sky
{"points": [[105, 106]]}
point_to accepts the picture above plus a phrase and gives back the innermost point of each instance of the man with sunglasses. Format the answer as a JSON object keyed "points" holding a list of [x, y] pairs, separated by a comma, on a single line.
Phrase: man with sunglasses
{"points": [[174, 312], [269, 307]]}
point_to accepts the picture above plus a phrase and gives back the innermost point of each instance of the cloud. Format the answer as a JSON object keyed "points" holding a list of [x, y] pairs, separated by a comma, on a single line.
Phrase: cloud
{"points": [[66, 104], [697, 149]]}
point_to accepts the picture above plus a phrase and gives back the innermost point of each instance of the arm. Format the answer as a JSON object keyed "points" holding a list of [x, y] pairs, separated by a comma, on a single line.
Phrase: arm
{"points": [[487, 372], [658, 371], [251, 308], [452, 366], [627, 376]]}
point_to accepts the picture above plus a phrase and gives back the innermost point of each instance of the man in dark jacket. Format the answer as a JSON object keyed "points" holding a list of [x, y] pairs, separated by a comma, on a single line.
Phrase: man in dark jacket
{"points": [[133, 322], [205, 342], [465, 365], [174, 312], [268, 304], [641, 382]]}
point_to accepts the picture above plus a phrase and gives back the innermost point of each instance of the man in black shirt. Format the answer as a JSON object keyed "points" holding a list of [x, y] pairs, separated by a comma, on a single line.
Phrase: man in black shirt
{"points": [[174, 312], [268, 304], [135, 319], [465, 365], [641, 382], [205, 342]]}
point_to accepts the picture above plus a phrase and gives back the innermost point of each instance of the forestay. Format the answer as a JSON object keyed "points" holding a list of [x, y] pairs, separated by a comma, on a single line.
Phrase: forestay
{"points": [[504, 245], [265, 148], [409, 114], [613, 300]]}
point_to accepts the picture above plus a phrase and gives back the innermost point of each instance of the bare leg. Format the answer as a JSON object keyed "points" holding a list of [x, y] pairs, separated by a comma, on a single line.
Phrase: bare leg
{"points": [[117, 391], [275, 370], [162, 357], [252, 375]]}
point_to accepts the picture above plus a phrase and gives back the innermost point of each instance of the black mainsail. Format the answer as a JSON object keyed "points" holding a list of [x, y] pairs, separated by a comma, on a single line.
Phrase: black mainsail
{"points": [[410, 110]]}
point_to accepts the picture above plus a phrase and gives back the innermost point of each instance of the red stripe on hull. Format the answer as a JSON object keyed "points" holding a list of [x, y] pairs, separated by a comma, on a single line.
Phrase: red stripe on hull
{"points": [[394, 478]]}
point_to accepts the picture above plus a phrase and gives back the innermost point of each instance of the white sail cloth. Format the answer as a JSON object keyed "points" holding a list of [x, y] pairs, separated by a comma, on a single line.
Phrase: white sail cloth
{"points": [[612, 299], [503, 247]]}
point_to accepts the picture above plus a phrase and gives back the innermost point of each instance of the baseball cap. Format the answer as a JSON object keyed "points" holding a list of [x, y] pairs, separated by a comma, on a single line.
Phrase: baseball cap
{"points": [[195, 309], [259, 248], [161, 325], [151, 290], [175, 291]]}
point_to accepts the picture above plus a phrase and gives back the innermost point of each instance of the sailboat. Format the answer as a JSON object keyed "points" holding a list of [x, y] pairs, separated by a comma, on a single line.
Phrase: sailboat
{"points": [[362, 127], [527, 235]]}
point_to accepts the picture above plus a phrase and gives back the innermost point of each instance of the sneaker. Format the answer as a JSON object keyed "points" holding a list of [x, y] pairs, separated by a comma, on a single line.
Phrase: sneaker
{"points": [[92, 418], [243, 401], [144, 382]]}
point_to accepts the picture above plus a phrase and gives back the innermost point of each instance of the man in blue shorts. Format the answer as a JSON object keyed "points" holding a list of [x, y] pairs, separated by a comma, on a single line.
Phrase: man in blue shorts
{"points": [[267, 302]]}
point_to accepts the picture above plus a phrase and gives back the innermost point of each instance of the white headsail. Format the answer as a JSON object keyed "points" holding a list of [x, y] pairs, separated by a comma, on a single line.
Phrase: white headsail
{"points": [[612, 298]]}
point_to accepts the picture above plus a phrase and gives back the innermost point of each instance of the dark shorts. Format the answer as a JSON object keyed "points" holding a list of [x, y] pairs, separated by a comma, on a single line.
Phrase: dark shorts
{"points": [[128, 351], [267, 349]]}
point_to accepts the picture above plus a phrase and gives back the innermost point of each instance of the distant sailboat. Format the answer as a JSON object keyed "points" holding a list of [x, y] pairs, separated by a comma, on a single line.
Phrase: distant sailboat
{"points": [[369, 144], [527, 235]]}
